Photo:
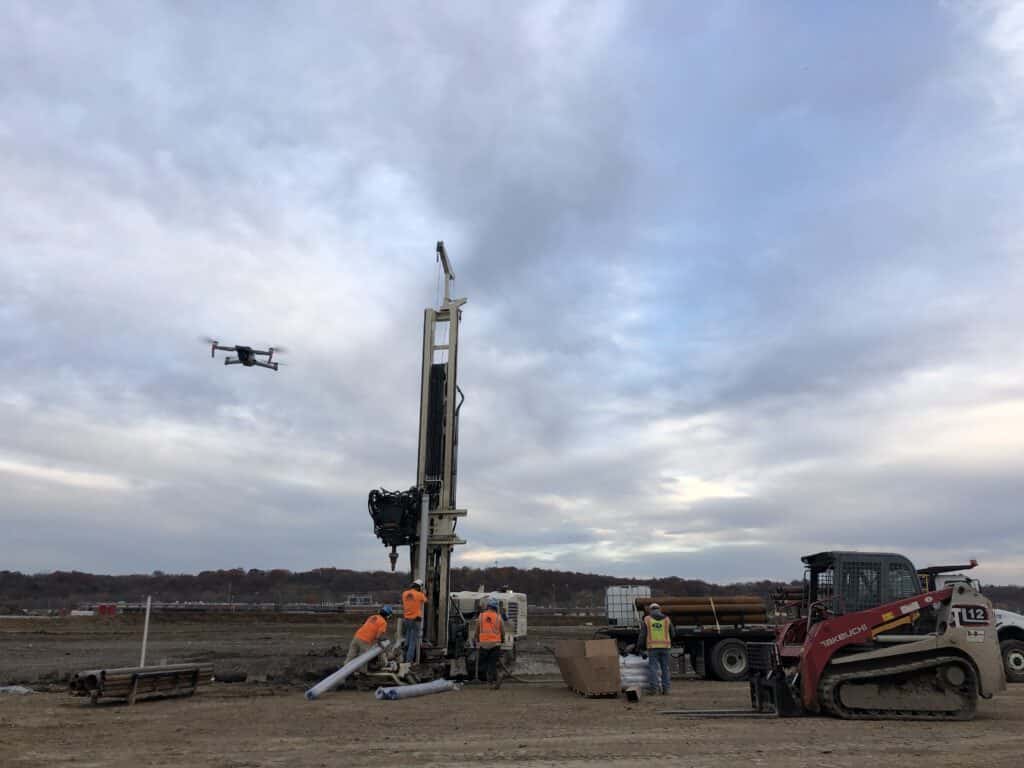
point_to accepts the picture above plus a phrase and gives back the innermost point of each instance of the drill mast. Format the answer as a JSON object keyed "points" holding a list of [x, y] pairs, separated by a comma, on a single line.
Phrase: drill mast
{"points": [[437, 462], [425, 516]]}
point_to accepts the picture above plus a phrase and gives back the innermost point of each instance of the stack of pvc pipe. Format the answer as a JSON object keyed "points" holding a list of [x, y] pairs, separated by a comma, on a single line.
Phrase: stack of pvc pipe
{"points": [[394, 692], [741, 609], [633, 671]]}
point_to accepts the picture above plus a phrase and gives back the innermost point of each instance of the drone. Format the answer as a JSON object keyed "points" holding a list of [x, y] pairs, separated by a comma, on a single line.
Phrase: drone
{"points": [[246, 356]]}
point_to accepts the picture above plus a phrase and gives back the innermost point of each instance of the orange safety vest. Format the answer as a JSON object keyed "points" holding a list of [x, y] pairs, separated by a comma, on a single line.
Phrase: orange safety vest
{"points": [[490, 627], [373, 629], [658, 634], [412, 603]]}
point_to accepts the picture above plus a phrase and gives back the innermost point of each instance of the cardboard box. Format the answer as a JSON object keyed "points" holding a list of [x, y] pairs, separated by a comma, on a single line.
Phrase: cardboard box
{"points": [[589, 667]]}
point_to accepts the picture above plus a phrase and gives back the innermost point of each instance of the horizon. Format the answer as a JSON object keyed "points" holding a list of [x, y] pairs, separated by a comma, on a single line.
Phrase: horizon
{"points": [[266, 571]]}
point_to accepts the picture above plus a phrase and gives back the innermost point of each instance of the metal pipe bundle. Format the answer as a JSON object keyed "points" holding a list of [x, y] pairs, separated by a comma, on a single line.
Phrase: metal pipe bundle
{"points": [[395, 692], [737, 609], [701, 601], [334, 680], [130, 682]]}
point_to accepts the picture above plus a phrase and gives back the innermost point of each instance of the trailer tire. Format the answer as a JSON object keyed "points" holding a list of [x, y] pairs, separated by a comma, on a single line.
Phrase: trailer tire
{"points": [[729, 660], [1013, 660]]}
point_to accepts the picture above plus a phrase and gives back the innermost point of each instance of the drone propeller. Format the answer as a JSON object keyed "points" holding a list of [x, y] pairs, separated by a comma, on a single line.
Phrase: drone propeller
{"points": [[279, 350], [212, 342]]}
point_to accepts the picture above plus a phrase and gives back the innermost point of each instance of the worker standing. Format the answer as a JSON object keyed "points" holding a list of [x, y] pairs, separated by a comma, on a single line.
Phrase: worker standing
{"points": [[490, 634], [373, 629], [413, 601], [656, 634]]}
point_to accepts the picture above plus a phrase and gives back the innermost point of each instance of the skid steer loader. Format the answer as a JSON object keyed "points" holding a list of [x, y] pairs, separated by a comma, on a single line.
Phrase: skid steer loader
{"points": [[867, 643]]}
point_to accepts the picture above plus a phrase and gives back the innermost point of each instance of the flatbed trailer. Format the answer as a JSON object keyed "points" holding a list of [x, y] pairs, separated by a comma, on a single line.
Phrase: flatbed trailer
{"points": [[717, 653]]}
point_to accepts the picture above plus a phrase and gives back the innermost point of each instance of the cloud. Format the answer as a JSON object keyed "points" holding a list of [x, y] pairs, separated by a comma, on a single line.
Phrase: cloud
{"points": [[67, 477], [742, 285]]}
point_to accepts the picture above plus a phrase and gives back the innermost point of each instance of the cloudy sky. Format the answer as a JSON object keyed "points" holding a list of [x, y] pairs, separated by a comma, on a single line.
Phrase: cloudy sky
{"points": [[744, 280]]}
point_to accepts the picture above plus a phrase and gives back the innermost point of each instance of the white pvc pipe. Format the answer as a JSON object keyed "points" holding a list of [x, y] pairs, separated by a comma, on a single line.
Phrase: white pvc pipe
{"points": [[336, 679], [145, 631], [395, 692]]}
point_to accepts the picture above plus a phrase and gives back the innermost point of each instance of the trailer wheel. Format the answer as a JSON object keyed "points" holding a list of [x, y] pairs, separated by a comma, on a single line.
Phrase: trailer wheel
{"points": [[729, 660], [1013, 660]]}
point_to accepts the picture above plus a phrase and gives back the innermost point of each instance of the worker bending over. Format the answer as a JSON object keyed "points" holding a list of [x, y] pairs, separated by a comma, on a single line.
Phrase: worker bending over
{"points": [[413, 600], [490, 634], [656, 633], [373, 629]]}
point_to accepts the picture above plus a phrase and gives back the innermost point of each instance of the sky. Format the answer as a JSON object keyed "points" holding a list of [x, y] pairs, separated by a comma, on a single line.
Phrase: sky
{"points": [[743, 281]]}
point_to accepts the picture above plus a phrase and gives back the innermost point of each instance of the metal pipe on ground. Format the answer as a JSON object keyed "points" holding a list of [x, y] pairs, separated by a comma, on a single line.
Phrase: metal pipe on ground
{"points": [[395, 692], [110, 680], [131, 682], [334, 680]]}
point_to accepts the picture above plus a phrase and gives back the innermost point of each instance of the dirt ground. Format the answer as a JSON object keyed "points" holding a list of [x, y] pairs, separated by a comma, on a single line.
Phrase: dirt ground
{"points": [[271, 724]]}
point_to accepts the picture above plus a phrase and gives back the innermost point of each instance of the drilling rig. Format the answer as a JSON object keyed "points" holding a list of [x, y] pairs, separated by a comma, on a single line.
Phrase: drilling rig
{"points": [[425, 516]]}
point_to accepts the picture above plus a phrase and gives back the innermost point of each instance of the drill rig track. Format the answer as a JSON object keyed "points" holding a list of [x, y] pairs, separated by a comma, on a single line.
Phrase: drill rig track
{"points": [[934, 688]]}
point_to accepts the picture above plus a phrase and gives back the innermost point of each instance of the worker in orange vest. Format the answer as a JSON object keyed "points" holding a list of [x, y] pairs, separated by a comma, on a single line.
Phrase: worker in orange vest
{"points": [[413, 601], [490, 634], [373, 629], [656, 634]]}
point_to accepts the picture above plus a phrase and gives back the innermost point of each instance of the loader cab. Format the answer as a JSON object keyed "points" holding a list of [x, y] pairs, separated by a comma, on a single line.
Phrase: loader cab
{"points": [[846, 582]]}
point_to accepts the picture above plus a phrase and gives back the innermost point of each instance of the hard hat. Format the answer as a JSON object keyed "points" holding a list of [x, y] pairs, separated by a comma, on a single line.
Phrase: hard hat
{"points": [[417, 583], [385, 610], [654, 607], [492, 602]]}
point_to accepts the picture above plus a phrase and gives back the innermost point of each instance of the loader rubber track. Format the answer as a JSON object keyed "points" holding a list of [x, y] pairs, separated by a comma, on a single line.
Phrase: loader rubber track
{"points": [[949, 680]]}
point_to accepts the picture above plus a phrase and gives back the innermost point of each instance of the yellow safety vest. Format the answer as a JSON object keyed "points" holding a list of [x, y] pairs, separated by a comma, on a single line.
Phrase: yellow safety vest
{"points": [[657, 633]]}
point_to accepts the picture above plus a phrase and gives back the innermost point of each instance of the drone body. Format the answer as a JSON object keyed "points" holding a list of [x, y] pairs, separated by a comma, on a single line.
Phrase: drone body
{"points": [[246, 356]]}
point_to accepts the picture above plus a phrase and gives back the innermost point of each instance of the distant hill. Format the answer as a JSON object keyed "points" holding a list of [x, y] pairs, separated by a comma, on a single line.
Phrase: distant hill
{"points": [[566, 589]]}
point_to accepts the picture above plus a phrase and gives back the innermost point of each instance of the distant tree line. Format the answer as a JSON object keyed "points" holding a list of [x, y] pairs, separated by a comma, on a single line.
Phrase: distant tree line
{"points": [[565, 589]]}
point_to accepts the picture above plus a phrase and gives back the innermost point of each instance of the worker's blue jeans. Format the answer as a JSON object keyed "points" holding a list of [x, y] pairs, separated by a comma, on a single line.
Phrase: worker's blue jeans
{"points": [[657, 668], [411, 632]]}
